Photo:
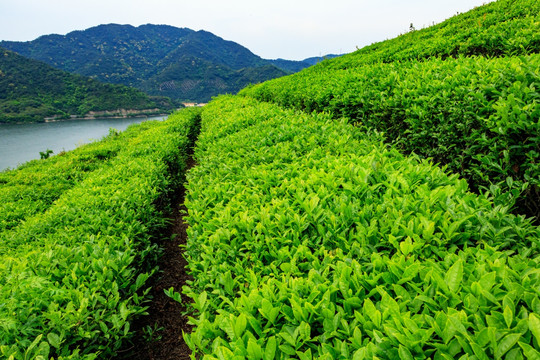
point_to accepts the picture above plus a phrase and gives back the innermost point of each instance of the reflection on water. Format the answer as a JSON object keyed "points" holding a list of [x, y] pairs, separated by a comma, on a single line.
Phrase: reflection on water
{"points": [[20, 143]]}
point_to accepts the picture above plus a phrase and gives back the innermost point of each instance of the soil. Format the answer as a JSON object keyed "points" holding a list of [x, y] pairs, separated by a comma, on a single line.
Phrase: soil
{"points": [[166, 317]]}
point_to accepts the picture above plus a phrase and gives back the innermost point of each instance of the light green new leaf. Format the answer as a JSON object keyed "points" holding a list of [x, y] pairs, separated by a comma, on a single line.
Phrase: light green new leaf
{"points": [[240, 325], [304, 331], [224, 353], [54, 340], [305, 355], [506, 344], [254, 350], [534, 326], [529, 351], [270, 350], [508, 316], [454, 276], [200, 301], [360, 354], [404, 353]]}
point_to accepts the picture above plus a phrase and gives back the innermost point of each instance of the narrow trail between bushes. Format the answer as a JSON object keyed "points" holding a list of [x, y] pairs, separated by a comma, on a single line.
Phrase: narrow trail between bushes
{"points": [[159, 334]]}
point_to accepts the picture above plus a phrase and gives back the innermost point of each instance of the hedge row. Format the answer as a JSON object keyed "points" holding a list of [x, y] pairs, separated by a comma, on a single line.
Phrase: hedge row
{"points": [[479, 116], [310, 239], [72, 278], [34, 186], [500, 28]]}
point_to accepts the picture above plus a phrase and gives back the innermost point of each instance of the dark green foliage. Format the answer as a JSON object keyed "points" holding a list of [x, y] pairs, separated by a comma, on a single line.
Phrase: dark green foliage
{"points": [[31, 91], [192, 78], [160, 60], [111, 53], [291, 66]]}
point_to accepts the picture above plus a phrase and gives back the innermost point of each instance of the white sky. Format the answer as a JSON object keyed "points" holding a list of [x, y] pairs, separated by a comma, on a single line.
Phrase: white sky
{"points": [[272, 29]]}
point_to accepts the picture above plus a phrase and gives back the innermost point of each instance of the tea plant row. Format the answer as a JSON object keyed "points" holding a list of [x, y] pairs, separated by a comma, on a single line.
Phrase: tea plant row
{"points": [[479, 116], [311, 239], [73, 276], [35, 185], [500, 28]]}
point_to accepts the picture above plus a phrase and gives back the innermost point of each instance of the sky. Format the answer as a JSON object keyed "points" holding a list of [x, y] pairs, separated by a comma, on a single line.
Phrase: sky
{"points": [[288, 29]]}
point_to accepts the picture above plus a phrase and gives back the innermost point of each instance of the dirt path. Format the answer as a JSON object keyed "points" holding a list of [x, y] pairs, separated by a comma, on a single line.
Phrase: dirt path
{"points": [[165, 321]]}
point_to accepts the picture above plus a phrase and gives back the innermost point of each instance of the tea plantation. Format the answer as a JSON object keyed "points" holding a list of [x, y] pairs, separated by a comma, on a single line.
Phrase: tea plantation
{"points": [[380, 205]]}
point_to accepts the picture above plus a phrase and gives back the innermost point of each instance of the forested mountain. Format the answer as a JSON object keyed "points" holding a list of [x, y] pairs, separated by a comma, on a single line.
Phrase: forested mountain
{"points": [[159, 59], [31, 90], [292, 66]]}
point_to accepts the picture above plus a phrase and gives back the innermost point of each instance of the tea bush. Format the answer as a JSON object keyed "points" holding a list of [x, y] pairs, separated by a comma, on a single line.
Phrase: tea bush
{"points": [[73, 276], [311, 239]]}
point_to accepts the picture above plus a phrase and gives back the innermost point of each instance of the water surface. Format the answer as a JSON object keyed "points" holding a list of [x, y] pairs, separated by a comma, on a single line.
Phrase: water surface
{"points": [[20, 143]]}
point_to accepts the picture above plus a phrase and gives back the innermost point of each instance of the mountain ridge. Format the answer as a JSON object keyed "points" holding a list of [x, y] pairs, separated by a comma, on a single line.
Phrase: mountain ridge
{"points": [[156, 59]]}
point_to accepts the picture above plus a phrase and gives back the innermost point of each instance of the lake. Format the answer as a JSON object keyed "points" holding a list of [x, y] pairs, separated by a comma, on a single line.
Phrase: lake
{"points": [[20, 143]]}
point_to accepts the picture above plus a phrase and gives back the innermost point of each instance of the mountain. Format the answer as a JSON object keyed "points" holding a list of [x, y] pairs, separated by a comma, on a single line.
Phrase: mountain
{"points": [[158, 59], [292, 66], [318, 59], [31, 91]]}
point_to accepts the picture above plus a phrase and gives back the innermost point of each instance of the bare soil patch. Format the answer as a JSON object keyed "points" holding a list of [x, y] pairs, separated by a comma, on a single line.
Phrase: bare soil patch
{"points": [[159, 334]]}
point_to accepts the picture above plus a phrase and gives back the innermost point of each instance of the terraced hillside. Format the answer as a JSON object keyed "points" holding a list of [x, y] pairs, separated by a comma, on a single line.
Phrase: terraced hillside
{"points": [[464, 93], [322, 226]]}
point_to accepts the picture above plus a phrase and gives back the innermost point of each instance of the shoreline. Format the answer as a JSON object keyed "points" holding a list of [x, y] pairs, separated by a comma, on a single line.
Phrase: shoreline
{"points": [[96, 115], [103, 117], [112, 114]]}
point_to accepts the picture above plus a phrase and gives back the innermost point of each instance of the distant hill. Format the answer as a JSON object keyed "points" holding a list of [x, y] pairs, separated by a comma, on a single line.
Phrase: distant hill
{"points": [[318, 59], [31, 91], [158, 59]]}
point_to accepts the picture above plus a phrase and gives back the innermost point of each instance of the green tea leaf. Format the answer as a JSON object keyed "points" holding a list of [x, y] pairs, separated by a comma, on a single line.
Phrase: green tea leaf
{"points": [[534, 326], [404, 353], [306, 355], [270, 350], [529, 351], [54, 340], [454, 276], [509, 316], [254, 349], [506, 344], [359, 354], [240, 325]]}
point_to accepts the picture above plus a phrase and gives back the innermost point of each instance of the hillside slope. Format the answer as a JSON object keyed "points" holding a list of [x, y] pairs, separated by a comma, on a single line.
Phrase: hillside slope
{"points": [[159, 59], [312, 238], [463, 93], [31, 90]]}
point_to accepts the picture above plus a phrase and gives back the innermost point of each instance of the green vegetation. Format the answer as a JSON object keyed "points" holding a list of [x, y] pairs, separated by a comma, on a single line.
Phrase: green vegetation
{"points": [[311, 239], [161, 60], [73, 272], [477, 115], [31, 91], [321, 224], [501, 28], [192, 78], [33, 187]]}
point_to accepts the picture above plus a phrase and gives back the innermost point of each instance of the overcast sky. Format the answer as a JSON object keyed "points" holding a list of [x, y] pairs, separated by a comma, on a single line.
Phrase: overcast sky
{"points": [[289, 29]]}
